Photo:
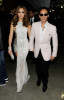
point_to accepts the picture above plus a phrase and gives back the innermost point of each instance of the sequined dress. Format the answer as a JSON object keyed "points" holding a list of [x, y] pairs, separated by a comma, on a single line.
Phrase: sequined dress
{"points": [[21, 46]]}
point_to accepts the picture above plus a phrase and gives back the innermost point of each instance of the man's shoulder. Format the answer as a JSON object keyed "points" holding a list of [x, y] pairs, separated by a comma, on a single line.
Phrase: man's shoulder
{"points": [[36, 23], [51, 25]]}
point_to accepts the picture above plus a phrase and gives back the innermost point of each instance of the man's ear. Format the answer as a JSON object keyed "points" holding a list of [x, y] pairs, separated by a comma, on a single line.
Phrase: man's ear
{"points": [[48, 15], [39, 16]]}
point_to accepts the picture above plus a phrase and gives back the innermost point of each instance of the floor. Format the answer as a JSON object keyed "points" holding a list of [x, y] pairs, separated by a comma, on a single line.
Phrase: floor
{"points": [[30, 91]]}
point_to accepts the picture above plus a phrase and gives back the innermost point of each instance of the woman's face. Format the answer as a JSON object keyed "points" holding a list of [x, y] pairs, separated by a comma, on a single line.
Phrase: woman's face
{"points": [[21, 13]]}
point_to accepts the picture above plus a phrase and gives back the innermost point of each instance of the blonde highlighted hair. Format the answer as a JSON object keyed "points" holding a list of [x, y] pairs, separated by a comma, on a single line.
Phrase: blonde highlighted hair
{"points": [[26, 21]]}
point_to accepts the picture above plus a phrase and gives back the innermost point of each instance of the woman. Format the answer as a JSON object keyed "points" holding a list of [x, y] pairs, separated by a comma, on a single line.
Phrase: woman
{"points": [[21, 26]]}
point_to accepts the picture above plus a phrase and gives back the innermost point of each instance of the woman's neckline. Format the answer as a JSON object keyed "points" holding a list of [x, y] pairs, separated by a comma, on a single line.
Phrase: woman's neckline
{"points": [[20, 22]]}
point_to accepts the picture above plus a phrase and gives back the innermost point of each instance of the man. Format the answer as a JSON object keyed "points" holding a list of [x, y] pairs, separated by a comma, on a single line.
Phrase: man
{"points": [[43, 31], [3, 73], [32, 17]]}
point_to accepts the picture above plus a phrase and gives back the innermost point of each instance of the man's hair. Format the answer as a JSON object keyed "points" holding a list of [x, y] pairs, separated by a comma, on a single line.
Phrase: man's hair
{"points": [[31, 10], [42, 8]]}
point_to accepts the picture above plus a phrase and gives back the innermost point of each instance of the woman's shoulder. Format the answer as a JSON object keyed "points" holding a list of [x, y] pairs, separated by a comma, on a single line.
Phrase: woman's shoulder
{"points": [[29, 26], [11, 24]]}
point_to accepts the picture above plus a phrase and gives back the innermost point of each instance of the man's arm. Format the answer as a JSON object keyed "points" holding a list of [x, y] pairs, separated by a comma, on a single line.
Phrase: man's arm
{"points": [[31, 44], [55, 44]]}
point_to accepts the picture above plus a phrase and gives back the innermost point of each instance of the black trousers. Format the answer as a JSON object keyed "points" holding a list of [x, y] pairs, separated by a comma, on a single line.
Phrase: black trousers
{"points": [[42, 69]]}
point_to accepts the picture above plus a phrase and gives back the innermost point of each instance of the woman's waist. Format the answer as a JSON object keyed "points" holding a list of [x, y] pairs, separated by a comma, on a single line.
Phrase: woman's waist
{"points": [[22, 40]]}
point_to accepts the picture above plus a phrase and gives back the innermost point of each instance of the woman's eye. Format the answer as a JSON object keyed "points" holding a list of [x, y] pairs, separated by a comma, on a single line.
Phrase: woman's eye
{"points": [[20, 12]]}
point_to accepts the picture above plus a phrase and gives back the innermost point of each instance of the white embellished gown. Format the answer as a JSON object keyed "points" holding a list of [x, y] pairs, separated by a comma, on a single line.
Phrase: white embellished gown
{"points": [[21, 46]]}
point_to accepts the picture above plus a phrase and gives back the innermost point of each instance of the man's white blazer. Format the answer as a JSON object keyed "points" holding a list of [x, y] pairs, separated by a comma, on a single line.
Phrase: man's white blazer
{"points": [[44, 44]]}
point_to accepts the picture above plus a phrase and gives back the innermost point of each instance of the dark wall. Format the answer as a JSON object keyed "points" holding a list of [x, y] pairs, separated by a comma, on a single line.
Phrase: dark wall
{"points": [[9, 4]]}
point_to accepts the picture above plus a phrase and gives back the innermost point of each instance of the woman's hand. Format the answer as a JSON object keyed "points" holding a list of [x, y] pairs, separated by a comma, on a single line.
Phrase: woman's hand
{"points": [[9, 52]]}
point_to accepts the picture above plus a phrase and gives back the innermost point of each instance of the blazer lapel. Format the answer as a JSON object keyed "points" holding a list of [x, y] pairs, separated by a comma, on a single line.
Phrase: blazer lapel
{"points": [[46, 31], [39, 25]]}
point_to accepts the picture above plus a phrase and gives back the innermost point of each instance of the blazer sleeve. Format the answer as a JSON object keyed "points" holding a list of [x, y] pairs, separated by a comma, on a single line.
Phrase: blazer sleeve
{"points": [[55, 42], [32, 36]]}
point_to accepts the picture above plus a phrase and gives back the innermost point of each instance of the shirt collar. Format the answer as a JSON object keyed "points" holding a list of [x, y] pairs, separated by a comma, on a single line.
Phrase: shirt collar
{"points": [[32, 18], [45, 23]]}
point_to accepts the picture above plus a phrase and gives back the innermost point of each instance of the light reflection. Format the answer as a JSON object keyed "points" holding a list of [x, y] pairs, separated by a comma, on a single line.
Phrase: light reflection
{"points": [[61, 6], [62, 96]]}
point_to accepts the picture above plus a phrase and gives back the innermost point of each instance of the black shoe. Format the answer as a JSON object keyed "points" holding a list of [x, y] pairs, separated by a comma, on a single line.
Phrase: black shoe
{"points": [[38, 83], [2, 83], [44, 88]]}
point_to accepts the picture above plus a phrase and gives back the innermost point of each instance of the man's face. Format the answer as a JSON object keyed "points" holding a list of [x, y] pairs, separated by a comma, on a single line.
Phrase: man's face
{"points": [[31, 14], [43, 15]]}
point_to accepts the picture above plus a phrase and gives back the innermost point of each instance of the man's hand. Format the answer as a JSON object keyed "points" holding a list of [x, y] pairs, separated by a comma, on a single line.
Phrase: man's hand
{"points": [[33, 50], [52, 58]]}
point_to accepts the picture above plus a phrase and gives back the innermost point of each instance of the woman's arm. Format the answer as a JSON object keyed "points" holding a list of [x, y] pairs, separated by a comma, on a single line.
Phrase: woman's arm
{"points": [[10, 39]]}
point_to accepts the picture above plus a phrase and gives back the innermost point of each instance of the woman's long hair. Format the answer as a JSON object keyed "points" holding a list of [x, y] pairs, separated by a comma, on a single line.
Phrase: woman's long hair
{"points": [[25, 19]]}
